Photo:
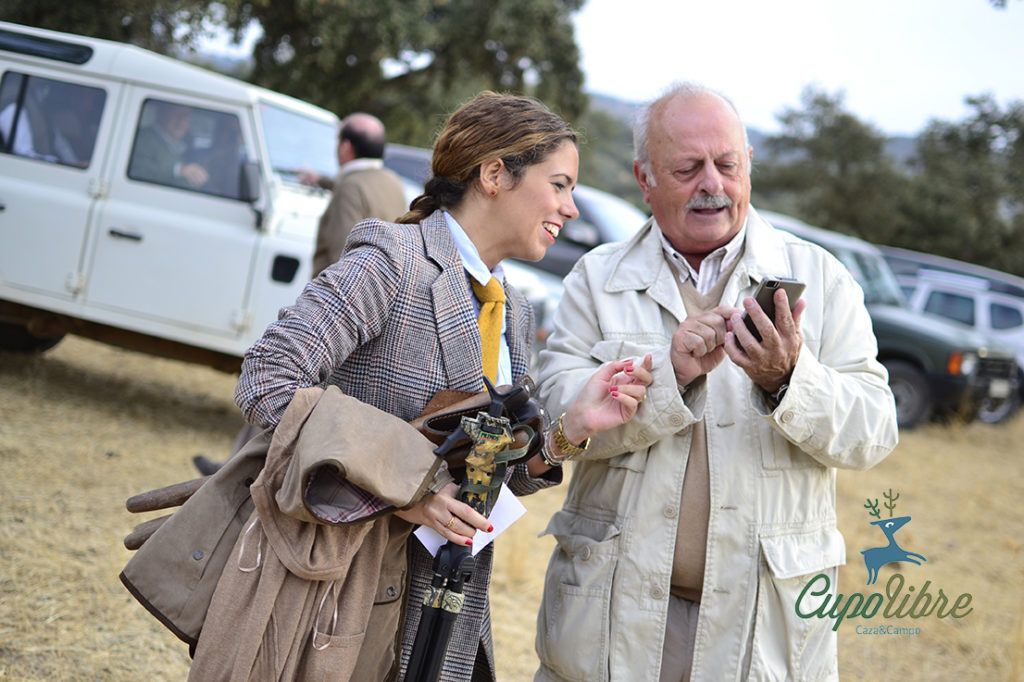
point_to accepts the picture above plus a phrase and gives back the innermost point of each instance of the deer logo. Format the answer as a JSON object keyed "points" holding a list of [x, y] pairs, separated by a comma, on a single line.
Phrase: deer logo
{"points": [[876, 557]]}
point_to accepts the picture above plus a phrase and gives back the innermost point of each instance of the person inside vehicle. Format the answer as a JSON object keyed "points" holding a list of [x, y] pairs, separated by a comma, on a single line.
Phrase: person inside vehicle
{"points": [[161, 148]]}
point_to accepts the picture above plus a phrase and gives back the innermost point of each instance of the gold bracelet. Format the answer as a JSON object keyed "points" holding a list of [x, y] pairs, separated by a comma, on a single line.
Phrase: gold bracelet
{"points": [[562, 443]]}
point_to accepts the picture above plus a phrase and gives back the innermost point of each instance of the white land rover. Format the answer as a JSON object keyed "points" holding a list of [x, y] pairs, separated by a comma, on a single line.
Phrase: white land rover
{"points": [[148, 203]]}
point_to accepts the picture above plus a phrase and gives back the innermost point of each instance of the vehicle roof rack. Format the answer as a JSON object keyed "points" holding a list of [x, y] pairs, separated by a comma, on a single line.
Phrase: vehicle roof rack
{"points": [[47, 48]]}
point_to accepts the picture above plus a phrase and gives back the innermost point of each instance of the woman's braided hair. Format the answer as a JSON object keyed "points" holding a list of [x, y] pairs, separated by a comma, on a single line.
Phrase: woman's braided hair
{"points": [[519, 130]]}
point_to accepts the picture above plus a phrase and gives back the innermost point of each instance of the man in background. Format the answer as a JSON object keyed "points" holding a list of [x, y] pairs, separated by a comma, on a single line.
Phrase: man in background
{"points": [[363, 187]]}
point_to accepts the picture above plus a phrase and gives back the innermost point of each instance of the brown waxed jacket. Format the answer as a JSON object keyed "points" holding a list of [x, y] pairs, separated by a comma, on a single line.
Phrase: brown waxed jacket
{"points": [[293, 599]]}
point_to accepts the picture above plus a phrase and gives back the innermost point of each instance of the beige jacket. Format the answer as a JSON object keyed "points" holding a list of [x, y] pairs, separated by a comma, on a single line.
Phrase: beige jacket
{"points": [[772, 472], [363, 189]]}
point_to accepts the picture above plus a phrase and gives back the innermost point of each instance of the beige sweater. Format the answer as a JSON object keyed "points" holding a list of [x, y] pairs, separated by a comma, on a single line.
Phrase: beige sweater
{"points": [[692, 533]]}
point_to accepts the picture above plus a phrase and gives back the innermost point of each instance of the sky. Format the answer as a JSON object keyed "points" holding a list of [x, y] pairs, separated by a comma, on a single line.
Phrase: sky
{"points": [[899, 63]]}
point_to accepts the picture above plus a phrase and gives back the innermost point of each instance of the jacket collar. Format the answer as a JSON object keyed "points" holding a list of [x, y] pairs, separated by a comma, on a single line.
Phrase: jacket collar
{"points": [[453, 311], [360, 164], [438, 242], [641, 265]]}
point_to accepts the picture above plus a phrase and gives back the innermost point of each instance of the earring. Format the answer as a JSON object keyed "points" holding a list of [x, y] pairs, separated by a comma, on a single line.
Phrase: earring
{"points": [[494, 192]]}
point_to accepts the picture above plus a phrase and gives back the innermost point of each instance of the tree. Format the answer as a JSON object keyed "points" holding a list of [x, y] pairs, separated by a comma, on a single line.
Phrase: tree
{"points": [[831, 169], [408, 61], [968, 191], [412, 61], [158, 25], [606, 155]]}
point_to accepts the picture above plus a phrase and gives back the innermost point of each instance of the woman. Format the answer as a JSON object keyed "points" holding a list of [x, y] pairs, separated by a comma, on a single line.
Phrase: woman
{"points": [[394, 322]]}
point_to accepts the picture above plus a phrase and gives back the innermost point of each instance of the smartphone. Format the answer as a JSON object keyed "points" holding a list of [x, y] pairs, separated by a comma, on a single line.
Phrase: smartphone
{"points": [[765, 297]]}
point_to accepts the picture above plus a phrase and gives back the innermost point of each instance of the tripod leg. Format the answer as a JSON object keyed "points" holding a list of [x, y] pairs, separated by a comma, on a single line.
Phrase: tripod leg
{"points": [[442, 605], [425, 631]]}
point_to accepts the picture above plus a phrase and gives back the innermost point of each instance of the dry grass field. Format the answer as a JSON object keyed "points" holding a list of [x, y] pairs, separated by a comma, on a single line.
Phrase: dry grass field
{"points": [[85, 426]]}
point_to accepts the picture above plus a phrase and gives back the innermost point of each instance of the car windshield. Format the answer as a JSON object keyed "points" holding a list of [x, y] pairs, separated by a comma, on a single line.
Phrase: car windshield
{"points": [[296, 142], [619, 219], [875, 278]]}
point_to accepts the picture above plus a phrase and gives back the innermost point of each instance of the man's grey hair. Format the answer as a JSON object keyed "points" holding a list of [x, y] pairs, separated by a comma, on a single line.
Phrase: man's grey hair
{"points": [[684, 90]]}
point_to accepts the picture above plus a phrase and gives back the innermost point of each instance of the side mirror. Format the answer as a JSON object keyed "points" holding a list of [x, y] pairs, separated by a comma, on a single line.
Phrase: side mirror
{"points": [[249, 181]]}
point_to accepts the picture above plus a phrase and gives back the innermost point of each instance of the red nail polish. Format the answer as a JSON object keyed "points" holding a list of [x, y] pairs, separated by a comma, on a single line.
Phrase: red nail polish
{"points": [[490, 529], [629, 369], [469, 543]]}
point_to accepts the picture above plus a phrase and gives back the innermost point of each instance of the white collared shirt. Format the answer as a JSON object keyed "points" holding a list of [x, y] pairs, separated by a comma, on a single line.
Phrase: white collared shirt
{"points": [[713, 265], [477, 269], [361, 163]]}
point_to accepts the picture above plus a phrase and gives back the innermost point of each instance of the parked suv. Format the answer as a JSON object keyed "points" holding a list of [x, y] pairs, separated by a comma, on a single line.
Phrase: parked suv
{"points": [[149, 203], [935, 367], [988, 300], [910, 262], [971, 301]]}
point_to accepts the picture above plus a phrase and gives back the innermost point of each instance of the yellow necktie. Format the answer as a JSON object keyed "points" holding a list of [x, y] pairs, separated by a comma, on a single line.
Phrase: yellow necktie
{"points": [[492, 308]]}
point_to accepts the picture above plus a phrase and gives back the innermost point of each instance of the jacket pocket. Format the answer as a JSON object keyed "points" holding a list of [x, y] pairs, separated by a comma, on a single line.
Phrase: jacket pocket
{"points": [[333, 647], [785, 645], [574, 612]]}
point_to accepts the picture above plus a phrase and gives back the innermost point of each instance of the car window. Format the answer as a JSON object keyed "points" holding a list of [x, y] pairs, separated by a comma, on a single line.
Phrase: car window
{"points": [[296, 142], [874, 276], [617, 220], [952, 306], [1004, 316], [49, 120], [188, 147], [412, 165]]}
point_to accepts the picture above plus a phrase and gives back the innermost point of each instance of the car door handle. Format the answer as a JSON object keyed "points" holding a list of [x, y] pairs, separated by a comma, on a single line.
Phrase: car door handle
{"points": [[121, 234]]}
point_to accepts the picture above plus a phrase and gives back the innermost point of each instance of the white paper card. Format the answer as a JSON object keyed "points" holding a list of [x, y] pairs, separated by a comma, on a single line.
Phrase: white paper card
{"points": [[507, 510]]}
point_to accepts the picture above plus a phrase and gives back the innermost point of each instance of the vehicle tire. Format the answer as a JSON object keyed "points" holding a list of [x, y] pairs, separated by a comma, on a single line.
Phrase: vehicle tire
{"points": [[18, 339], [910, 389], [995, 411]]}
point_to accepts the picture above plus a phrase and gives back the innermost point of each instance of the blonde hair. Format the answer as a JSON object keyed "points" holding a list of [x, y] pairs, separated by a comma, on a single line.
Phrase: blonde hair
{"points": [[519, 130]]}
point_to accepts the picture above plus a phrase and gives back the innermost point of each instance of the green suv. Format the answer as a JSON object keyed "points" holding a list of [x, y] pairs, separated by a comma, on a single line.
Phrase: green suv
{"points": [[936, 367]]}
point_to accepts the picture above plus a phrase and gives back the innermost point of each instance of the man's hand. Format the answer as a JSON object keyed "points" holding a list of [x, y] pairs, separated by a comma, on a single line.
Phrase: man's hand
{"points": [[770, 362], [698, 344], [309, 177], [194, 174]]}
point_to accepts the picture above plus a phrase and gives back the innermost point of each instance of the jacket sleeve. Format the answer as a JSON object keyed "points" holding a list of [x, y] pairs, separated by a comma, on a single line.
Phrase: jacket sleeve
{"points": [[343, 308], [838, 408]]}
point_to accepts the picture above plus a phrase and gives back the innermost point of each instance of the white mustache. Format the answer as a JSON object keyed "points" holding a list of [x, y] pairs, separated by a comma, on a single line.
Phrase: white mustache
{"points": [[709, 201]]}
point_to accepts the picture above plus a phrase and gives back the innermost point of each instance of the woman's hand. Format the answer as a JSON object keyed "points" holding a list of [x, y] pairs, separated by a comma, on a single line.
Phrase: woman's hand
{"points": [[609, 399], [456, 521]]}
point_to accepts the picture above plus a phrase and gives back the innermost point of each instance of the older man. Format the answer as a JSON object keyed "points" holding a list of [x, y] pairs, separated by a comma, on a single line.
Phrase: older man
{"points": [[687, 534], [362, 189]]}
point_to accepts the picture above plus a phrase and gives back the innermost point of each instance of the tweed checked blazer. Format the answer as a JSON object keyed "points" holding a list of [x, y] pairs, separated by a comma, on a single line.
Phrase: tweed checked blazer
{"points": [[392, 323]]}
